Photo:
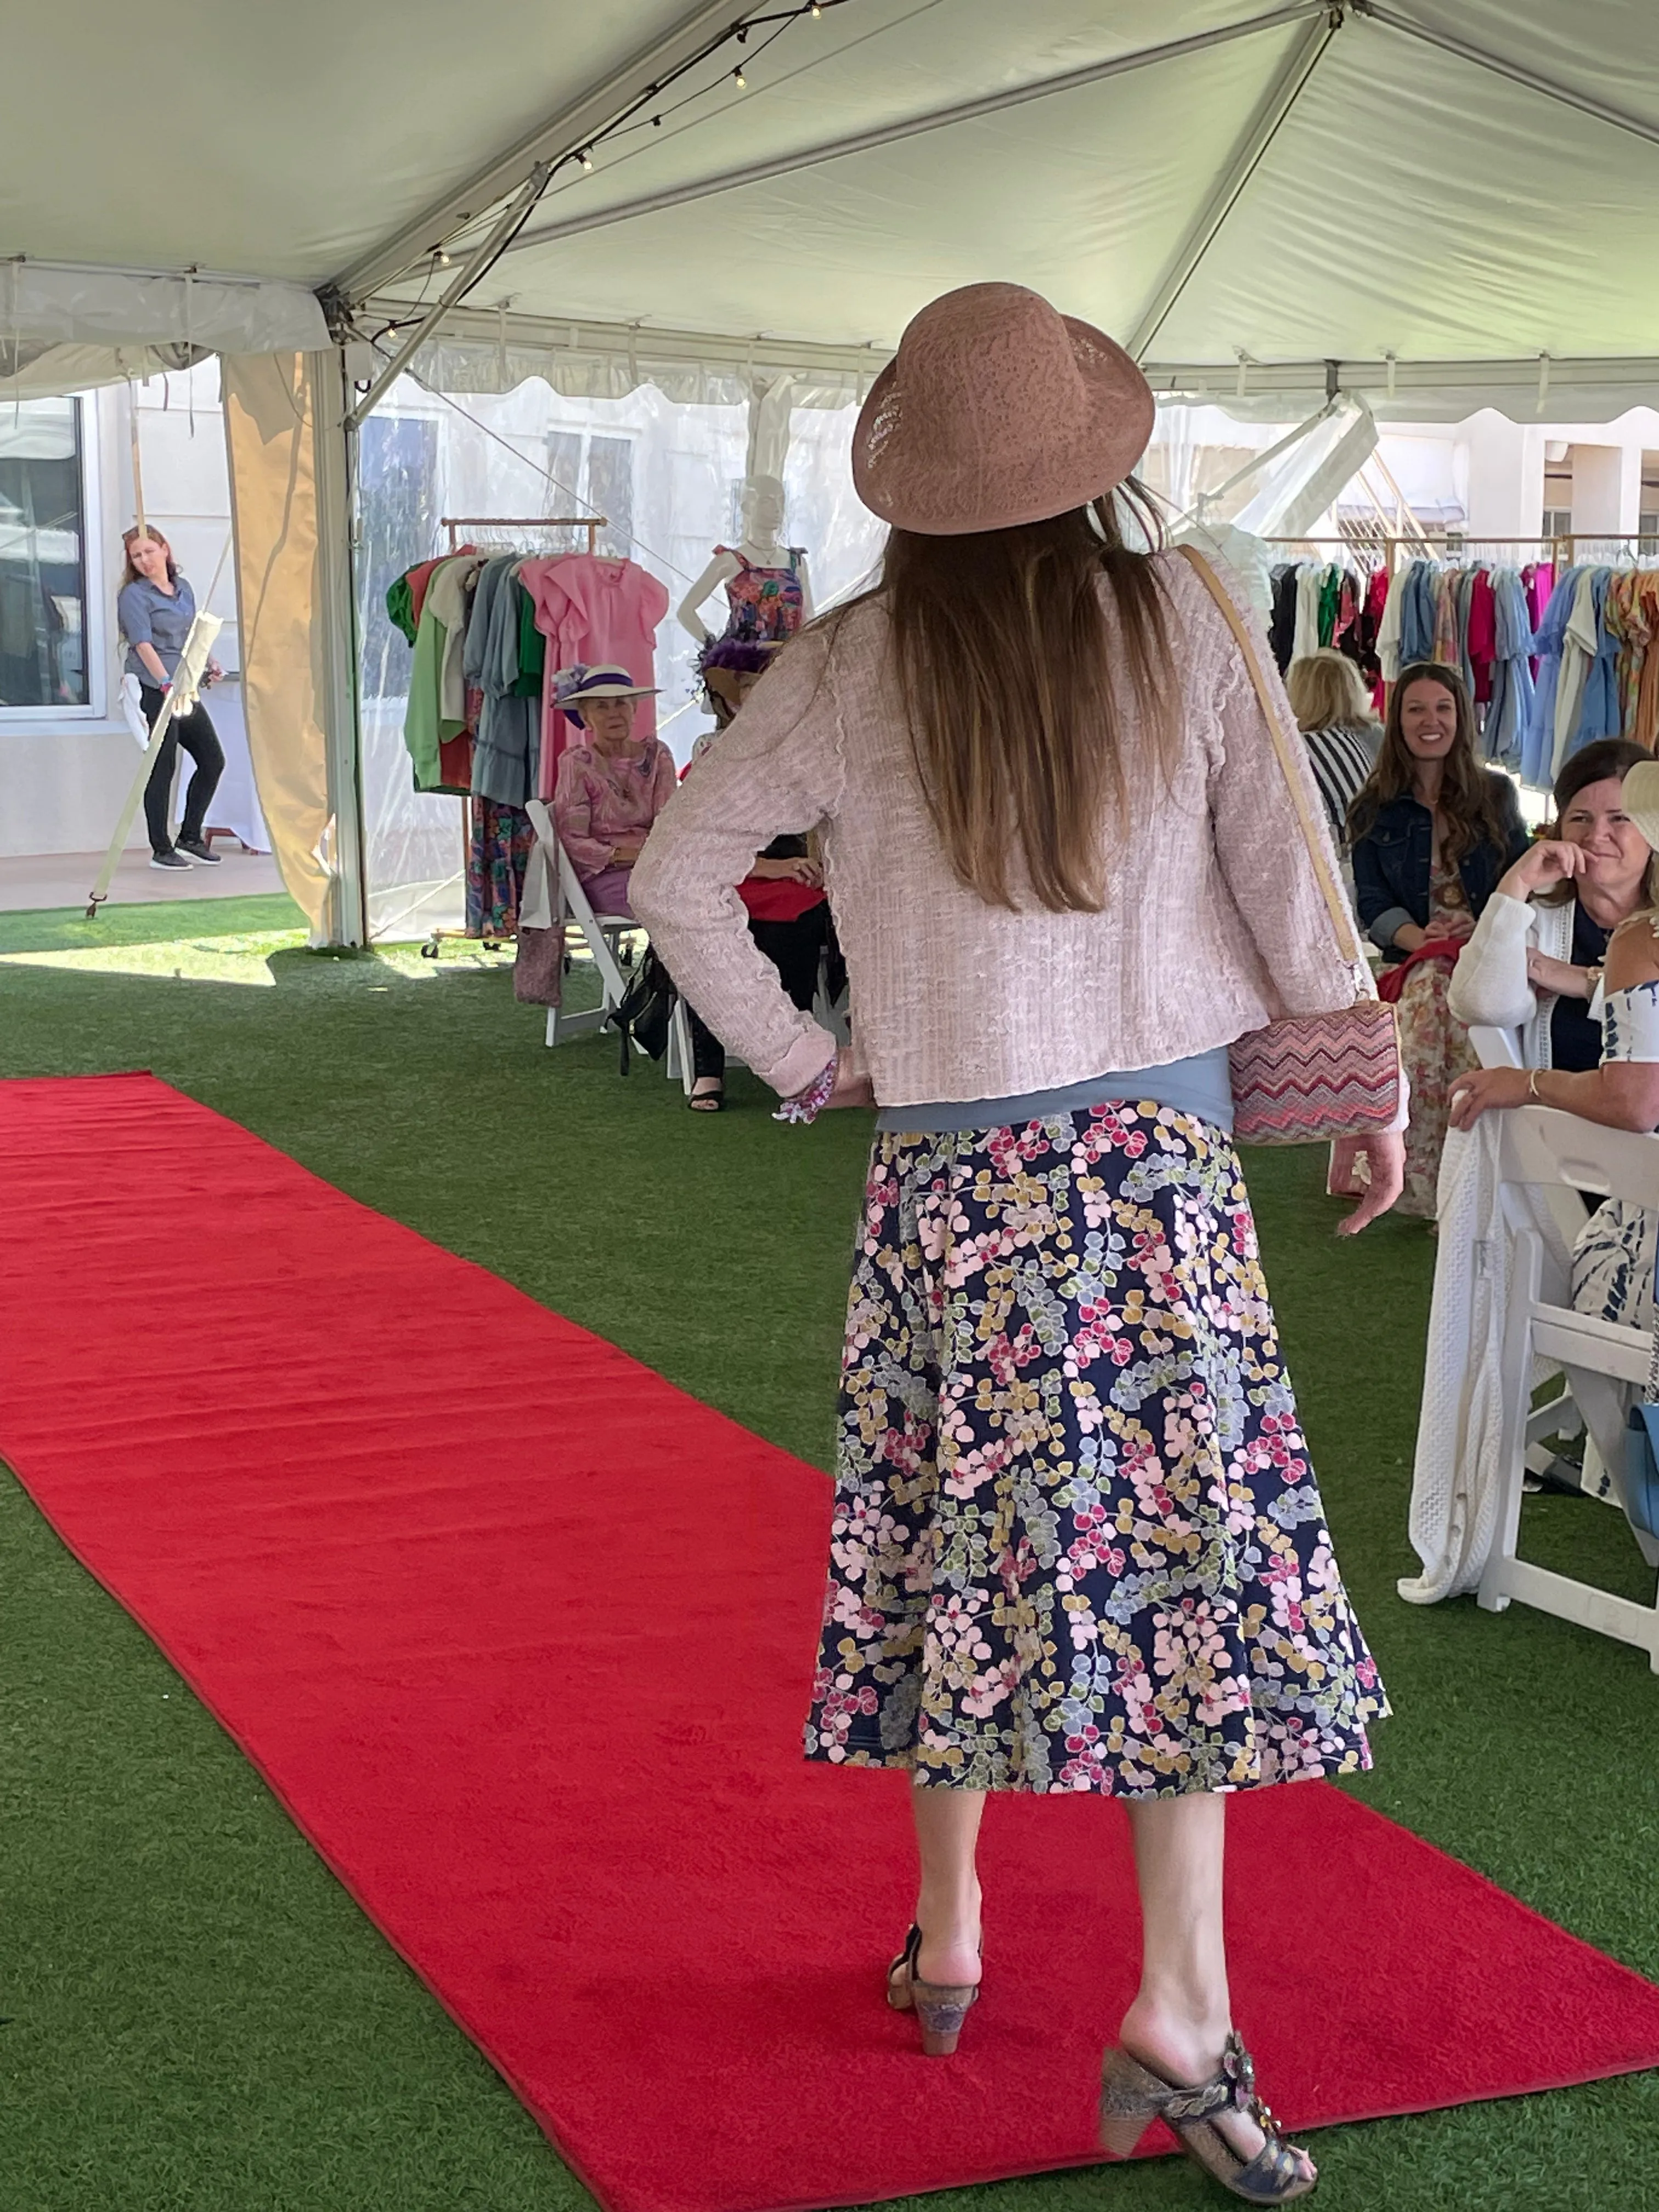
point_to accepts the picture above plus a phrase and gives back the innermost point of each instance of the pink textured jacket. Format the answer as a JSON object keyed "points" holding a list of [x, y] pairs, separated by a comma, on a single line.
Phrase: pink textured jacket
{"points": [[1214, 923]]}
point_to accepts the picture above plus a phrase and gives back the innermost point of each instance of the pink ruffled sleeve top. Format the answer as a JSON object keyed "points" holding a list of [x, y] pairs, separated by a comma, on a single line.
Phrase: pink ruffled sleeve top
{"points": [[592, 609]]}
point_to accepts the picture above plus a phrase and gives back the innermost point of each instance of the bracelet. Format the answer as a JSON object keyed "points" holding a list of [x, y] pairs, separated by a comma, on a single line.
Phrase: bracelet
{"points": [[806, 1105], [1531, 1084]]}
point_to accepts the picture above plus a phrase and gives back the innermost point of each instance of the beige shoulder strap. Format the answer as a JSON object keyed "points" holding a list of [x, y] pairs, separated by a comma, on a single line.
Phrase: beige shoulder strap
{"points": [[1341, 919]]}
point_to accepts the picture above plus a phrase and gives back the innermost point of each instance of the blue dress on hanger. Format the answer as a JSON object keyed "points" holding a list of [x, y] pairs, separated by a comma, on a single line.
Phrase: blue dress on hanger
{"points": [[1418, 614], [1538, 740], [1600, 716], [1511, 705]]}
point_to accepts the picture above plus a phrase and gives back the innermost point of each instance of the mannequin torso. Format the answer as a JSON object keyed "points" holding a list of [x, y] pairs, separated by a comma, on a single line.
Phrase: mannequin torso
{"points": [[730, 563]]}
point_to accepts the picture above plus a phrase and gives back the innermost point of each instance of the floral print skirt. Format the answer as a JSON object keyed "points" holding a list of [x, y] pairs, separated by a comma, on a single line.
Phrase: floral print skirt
{"points": [[1076, 1543], [1434, 1050], [498, 853]]}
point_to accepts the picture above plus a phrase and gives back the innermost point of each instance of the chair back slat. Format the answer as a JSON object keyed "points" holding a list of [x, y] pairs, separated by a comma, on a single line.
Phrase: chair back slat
{"points": [[1540, 1145]]}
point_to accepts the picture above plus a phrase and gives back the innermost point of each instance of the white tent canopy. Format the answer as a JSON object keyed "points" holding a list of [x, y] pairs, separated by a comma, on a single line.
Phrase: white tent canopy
{"points": [[1443, 181], [1430, 205]]}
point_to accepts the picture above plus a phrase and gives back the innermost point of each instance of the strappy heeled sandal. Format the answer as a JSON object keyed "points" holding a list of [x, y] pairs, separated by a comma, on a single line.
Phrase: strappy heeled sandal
{"points": [[1133, 2094], [940, 2007]]}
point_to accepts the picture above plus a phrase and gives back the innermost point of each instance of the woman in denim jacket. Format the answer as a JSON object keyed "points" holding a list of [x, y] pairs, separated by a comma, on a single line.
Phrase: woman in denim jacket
{"points": [[1432, 831]]}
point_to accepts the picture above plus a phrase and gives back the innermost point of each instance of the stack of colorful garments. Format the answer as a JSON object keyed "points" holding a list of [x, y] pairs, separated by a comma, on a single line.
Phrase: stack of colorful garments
{"points": [[489, 632]]}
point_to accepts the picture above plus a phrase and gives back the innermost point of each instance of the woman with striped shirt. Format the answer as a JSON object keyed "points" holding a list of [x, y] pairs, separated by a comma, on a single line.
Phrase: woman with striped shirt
{"points": [[1334, 713]]}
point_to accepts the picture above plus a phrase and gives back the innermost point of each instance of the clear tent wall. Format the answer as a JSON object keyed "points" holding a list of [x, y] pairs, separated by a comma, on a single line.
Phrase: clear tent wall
{"points": [[485, 430]]}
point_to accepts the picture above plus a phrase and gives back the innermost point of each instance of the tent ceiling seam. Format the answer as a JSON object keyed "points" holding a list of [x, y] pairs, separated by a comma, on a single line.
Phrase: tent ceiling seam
{"points": [[703, 28], [1514, 71], [915, 126], [1247, 157]]}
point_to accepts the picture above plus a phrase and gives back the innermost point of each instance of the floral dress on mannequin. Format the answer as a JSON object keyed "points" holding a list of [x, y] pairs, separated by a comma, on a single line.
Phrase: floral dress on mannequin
{"points": [[767, 605], [1434, 1045]]}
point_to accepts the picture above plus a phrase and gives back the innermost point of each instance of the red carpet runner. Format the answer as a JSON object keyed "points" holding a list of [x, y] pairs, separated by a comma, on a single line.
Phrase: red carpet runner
{"points": [[520, 1636]]}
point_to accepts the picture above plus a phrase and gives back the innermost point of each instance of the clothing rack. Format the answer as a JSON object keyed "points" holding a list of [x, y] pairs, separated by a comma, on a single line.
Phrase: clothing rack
{"points": [[457, 525], [593, 524], [1391, 546]]}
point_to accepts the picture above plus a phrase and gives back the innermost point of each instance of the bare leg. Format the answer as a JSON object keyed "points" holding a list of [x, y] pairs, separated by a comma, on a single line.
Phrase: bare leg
{"points": [[1182, 2012], [947, 1901]]}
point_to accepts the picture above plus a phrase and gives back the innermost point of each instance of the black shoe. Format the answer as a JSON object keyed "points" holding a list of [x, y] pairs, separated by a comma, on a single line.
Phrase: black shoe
{"points": [[168, 860], [198, 849]]}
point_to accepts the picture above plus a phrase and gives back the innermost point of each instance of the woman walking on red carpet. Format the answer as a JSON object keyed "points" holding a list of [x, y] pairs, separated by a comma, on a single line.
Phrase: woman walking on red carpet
{"points": [[1077, 1544]]}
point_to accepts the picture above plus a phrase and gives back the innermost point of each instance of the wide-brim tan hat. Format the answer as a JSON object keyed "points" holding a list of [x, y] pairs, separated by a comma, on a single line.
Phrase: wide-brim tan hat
{"points": [[1641, 791], [997, 410]]}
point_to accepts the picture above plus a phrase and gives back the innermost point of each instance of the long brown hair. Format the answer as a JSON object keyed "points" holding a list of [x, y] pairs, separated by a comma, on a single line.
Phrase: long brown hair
{"points": [[1004, 658], [1471, 802], [129, 573]]}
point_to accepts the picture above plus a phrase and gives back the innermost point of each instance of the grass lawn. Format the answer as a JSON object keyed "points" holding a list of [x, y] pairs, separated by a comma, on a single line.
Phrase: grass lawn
{"points": [[198, 2017]]}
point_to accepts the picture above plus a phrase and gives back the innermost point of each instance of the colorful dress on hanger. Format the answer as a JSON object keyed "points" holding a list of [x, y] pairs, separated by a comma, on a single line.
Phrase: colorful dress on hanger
{"points": [[1434, 1045], [498, 853], [767, 605]]}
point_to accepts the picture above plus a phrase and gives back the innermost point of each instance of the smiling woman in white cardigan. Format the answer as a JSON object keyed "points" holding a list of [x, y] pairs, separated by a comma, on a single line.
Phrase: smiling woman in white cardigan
{"points": [[1534, 960]]}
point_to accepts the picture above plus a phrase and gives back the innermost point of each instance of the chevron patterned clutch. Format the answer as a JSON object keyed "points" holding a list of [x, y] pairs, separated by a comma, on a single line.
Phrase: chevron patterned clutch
{"points": [[1313, 1076]]}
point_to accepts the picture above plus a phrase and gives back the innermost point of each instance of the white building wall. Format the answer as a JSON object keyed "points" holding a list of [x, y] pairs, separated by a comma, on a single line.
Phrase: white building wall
{"points": [[64, 775]]}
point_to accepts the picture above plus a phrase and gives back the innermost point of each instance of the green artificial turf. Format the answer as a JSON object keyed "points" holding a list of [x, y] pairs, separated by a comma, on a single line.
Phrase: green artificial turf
{"points": [[196, 2016]]}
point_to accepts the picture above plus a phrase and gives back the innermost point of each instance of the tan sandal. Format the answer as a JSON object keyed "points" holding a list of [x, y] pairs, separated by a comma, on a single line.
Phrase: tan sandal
{"points": [[940, 2007], [1133, 2094]]}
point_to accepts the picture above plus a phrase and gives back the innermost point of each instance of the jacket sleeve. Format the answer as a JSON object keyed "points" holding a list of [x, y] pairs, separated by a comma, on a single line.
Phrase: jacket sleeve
{"points": [[1489, 983], [1262, 851], [777, 770], [573, 818], [1380, 914]]}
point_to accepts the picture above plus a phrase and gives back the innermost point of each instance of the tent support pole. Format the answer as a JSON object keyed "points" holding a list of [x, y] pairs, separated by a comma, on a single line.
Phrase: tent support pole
{"points": [[471, 269], [1516, 74], [914, 126], [1282, 96], [334, 436]]}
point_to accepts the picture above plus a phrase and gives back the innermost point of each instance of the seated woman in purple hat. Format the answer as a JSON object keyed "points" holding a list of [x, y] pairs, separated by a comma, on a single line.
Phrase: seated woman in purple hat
{"points": [[611, 785], [1078, 1546]]}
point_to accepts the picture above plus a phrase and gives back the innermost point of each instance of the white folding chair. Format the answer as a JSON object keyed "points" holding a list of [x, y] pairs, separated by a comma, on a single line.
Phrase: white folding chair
{"points": [[603, 934], [1557, 1416], [1543, 1150]]}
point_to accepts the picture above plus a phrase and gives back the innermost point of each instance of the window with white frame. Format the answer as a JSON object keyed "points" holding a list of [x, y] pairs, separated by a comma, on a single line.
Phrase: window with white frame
{"points": [[44, 664], [598, 470]]}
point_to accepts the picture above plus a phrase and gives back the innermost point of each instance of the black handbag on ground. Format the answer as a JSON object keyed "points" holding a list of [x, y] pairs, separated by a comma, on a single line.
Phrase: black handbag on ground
{"points": [[646, 1009]]}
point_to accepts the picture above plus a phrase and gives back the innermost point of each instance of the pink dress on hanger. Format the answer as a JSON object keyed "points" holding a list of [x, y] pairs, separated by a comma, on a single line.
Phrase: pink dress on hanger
{"points": [[592, 609]]}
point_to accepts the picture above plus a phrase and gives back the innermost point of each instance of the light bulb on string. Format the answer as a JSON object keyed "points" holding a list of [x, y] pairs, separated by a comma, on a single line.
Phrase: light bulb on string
{"points": [[815, 11], [441, 258], [739, 79], [586, 160]]}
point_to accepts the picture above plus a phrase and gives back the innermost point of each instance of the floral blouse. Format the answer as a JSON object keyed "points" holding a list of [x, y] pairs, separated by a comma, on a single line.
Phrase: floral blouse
{"points": [[598, 802]]}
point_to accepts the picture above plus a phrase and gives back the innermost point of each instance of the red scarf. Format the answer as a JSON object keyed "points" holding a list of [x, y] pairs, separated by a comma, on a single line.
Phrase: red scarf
{"points": [[1392, 980]]}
